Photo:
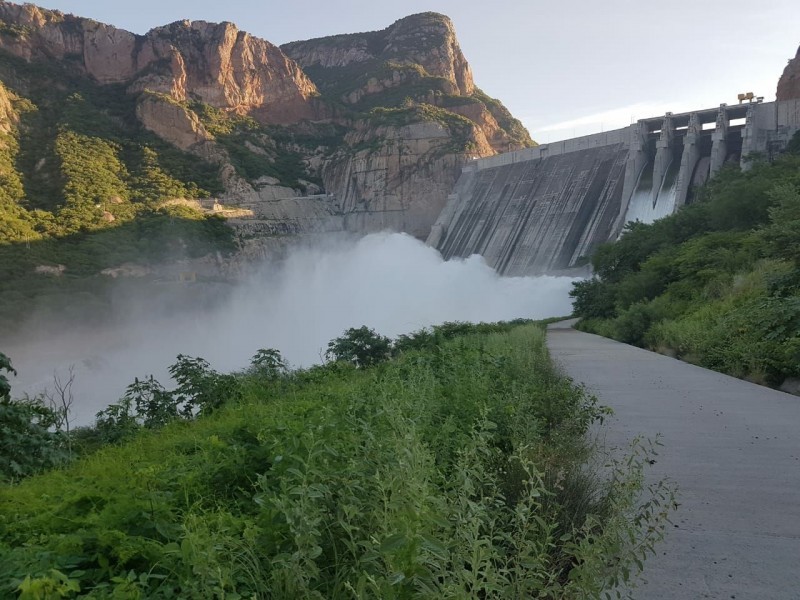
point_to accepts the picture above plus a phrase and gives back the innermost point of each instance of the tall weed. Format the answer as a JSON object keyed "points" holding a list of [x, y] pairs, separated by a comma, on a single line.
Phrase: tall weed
{"points": [[456, 470]]}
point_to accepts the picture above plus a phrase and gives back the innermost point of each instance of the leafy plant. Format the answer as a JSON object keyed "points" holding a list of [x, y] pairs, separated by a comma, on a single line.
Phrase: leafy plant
{"points": [[269, 364], [361, 346], [716, 283], [200, 387], [30, 444], [5, 386], [453, 470]]}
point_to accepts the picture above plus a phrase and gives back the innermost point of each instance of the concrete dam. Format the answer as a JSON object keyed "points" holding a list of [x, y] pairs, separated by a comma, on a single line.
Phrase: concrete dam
{"points": [[545, 209]]}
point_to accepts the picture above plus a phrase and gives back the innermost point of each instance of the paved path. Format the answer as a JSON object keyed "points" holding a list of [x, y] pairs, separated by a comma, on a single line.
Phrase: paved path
{"points": [[732, 447]]}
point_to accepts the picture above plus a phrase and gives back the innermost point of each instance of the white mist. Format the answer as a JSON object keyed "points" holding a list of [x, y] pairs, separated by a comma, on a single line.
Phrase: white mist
{"points": [[389, 282]]}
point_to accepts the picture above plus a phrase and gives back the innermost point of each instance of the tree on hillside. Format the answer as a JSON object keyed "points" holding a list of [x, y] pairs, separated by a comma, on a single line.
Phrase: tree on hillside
{"points": [[783, 233]]}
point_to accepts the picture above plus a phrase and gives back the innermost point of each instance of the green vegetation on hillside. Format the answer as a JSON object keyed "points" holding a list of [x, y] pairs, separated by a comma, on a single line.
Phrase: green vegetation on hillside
{"points": [[83, 185], [71, 166], [456, 469], [460, 128], [392, 79], [253, 151], [512, 126], [716, 284]]}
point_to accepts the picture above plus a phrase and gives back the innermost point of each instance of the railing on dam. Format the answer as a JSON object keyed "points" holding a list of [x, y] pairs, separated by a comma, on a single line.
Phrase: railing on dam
{"points": [[608, 138], [766, 117]]}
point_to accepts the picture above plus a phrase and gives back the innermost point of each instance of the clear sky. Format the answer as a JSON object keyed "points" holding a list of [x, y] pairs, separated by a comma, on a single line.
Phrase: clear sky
{"points": [[564, 67]]}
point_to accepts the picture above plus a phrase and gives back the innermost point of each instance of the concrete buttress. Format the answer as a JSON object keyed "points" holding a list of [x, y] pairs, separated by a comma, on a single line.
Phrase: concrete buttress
{"points": [[689, 158], [719, 145]]}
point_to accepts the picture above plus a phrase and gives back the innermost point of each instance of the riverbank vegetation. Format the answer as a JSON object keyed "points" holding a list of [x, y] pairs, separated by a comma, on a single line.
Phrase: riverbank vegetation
{"points": [[716, 284], [85, 188], [448, 463]]}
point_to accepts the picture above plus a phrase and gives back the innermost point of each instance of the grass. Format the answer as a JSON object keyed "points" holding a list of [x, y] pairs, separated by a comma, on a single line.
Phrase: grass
{"points": [[453, 470]]}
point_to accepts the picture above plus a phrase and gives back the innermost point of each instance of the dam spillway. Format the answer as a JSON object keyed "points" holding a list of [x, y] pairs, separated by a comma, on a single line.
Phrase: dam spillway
{"points": [[537, 215], [545, 209]]}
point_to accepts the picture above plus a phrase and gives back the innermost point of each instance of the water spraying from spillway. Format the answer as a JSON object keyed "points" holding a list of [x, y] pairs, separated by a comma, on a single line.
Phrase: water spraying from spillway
{"points": [[390, 282], [648, 204], [640, 207]]}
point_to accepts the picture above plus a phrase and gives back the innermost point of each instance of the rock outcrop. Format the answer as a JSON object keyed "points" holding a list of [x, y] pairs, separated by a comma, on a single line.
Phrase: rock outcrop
{"points": [[215, 63], [8, 116], [789, 83], [398, 177], [426, 39], [171, 121], [372, 127]]}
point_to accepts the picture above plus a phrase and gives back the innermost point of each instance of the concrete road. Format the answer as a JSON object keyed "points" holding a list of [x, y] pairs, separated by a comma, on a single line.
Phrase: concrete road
{"points": [[732, 447]]}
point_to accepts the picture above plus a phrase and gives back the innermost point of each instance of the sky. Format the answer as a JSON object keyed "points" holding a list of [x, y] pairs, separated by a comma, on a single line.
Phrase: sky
{"points": [[563, 67]]}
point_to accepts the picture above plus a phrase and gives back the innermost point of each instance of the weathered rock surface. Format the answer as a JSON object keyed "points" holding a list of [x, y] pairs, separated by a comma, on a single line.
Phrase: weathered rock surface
{"points": [[392, 172], [178, 125], [789, 83], [495, 136], [400, 177], [426, 39], [215, 63], [8, 115], [171, 121]]}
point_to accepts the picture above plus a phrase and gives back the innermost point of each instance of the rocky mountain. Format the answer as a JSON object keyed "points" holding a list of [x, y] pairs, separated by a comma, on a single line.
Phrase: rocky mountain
{"points": [[119, 149], [789, 83], [378, 123], [417, 117], [213, 63], [427, 40]]}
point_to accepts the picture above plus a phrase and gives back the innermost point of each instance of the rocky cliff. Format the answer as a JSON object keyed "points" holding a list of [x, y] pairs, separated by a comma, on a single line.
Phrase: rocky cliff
{"points": [[396, 169], [417, 59], [214, 63], [417, 117], [427, 40], [8, 116], [789, 83], [359, 132]]}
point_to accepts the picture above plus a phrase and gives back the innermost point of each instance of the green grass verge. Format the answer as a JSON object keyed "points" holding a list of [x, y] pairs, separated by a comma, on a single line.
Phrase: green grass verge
{"points": [[456, 470]]}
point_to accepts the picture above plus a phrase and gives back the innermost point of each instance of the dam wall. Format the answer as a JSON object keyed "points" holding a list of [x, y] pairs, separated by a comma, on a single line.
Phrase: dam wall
{"points": [[545, 209]]}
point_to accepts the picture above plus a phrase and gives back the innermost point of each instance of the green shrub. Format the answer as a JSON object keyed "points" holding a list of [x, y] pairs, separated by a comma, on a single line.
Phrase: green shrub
{"points": [[715, 283], [593, 298], [268, 363], [29, 443], [361, 346], [448, 472]]}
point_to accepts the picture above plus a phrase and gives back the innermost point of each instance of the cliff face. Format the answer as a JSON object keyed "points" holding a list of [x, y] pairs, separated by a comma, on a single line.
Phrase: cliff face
{"points": [[789, 83], [397, 176], [8, 116], [214, 63], [360, 132], [392, 175], [417, 59], [427, 39]]}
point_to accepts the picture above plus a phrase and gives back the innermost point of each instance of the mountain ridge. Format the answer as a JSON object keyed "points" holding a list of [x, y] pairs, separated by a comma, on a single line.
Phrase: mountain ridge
{"points": [[112, 139], [179, 74]]}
